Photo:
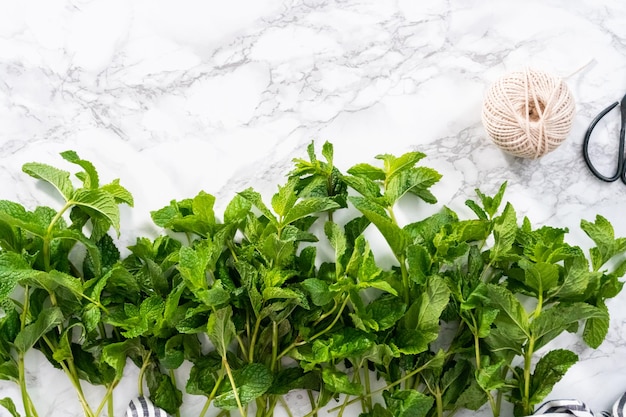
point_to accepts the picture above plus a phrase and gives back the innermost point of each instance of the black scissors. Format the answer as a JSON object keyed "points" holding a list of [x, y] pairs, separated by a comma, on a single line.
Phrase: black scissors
{"points": [[621, 171]]}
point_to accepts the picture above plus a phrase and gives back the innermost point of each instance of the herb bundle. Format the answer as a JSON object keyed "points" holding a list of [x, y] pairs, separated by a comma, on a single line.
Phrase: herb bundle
{"points": [[280, 295]]}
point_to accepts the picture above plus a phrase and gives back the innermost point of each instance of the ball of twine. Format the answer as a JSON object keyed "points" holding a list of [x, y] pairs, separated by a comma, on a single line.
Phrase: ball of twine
{"points": [[529, 113]]}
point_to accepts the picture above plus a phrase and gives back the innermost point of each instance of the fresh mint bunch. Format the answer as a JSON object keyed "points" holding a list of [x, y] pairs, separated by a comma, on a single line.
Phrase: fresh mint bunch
{"points": [[59, 307], [286, 293]]}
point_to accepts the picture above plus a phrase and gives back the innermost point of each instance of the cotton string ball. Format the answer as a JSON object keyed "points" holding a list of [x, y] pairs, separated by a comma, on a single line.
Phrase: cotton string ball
{"points": [[529, 113]]}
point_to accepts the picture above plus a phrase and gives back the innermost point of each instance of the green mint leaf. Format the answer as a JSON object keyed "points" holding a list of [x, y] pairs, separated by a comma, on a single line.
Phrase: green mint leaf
{"points": [[318, 290], [393, 234], [285, 198], [596, 328], [173, 354], [310, 149], [367, 171], [511, 311], [289, 379], [202, 206], [63, 350], [115, 354], [553, 321], [59, 179], [426, 310], [408, 403], [490, 204], [386, 310], [221, 329], [55, 279], [394, 165], [100, 202], [327, 152], [252, 381], [237, 210], [192, 266], [307, 207], [541, 276], [364, 186], [9, 405], [414, 180], [473, 397], [420, 325], [90, 176], [204, 375], [548, 371], [164, 216], [424, 232], [163, 392], [119, 193], [504, 231], [345, 343], [257, 201], [490, 377], [577, 278], [13, 269], [480, 213], [419, 262], [377, 411], [46, 321], [91, 317], [338, 382], [337, 239], [250, 278], [602, 233]]}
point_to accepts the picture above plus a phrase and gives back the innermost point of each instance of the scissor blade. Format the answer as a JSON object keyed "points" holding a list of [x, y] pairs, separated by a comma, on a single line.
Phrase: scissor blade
{"points": [[623, 109]]}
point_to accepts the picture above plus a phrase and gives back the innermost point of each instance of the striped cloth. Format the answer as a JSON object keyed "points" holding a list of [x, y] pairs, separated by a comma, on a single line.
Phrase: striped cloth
{"points": [[142, 407], [569, 408]]}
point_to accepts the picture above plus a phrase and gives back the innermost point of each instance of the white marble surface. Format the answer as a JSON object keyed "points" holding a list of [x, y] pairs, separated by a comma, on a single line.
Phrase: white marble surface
{"points": [[175, 97]]}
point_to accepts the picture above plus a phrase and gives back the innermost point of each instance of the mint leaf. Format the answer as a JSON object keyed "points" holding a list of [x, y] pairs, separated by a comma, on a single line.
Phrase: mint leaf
{"points": [[285, 198], [393, 234], [512, 313], [548, 371], [59, 179], [203, 375], [504, 231], [252, 381], [394, 165], [414, 180], [90, 176], [368, 171], [318, 290], [307, 207], [237, 209], [408, 403], [602, 233], [119, 193], [13, 269], [553, 321], [257, 201], [221, 329], [490, 377], [100, 202], [338, 382], [596, 328], [386, 310], [9, 405], [46, 321]]}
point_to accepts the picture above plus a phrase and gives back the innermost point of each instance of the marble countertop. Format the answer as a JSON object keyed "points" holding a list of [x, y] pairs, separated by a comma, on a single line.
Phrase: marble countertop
{"points": [[178, 97]]}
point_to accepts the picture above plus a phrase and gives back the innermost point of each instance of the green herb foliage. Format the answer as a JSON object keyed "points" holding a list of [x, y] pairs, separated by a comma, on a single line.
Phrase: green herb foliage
{"points": [[277, 295], [60, 305]]}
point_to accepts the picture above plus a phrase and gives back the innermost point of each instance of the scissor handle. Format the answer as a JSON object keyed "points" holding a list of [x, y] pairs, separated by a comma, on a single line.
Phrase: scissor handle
{"points": [[620, 160]]}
